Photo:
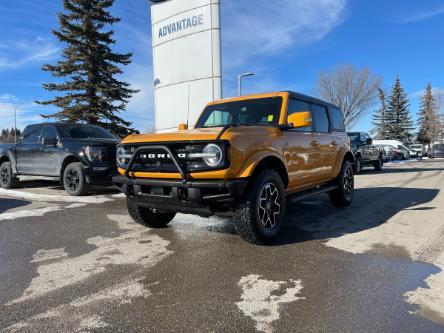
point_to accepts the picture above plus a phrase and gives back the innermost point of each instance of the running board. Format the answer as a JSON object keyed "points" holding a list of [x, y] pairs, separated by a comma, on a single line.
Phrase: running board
{"points": [[298, 196]]}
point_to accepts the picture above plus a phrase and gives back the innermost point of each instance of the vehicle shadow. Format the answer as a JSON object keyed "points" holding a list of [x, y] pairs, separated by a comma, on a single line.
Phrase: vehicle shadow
{"points": [[7, 204], [319, 219]]}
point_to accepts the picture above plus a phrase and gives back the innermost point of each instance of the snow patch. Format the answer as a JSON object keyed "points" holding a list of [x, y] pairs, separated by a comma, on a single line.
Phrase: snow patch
{"points": [[29, 213], [84, 313], [47, 255], [421, 234], [97, 199], [261, 299], [133, 246], [37, 212], [92, 323]]}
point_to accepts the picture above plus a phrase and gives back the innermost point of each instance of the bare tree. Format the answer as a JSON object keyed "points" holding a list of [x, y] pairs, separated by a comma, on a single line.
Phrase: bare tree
{"points": [[353, 90]]}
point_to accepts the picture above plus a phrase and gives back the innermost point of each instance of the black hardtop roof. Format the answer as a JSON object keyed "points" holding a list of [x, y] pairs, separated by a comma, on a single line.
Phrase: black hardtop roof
{"points": [[297, 95]]}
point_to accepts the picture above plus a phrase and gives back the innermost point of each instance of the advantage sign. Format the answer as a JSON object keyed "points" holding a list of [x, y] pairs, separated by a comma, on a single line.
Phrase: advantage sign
{"points": [[186, 60]]}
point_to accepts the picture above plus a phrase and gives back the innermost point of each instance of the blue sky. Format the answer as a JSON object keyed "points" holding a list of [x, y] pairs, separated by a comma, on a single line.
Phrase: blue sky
{"points": [[286, 42]]}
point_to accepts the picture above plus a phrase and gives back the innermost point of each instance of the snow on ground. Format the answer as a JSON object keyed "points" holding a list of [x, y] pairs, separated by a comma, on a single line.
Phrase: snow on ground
{"points": [[83, 314], [22, 213], [133, 246], [261, 299], [97, 199], [419, 231]]}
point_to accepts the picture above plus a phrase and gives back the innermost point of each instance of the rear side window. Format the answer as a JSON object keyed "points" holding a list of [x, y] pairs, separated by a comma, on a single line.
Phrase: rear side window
{"points": [[320, 118], [337, 120], [295, 106], [49, 133], [31, 134]]}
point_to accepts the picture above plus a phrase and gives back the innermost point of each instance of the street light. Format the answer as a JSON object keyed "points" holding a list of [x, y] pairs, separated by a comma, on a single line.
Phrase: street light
{"points": [[239, 81], [15, 124]]}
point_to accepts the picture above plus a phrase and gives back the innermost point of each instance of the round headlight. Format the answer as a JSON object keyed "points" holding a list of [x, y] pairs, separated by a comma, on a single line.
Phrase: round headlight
{"points": [[120, 155], [213, 155]]}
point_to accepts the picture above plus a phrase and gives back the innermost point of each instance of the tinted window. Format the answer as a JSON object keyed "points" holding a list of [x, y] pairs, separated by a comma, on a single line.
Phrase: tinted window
{"points": [[31, 134], [49, 133], [354, 136], [295, 106], [337, 120], [254, 112], [86, 132], [320, 118]]}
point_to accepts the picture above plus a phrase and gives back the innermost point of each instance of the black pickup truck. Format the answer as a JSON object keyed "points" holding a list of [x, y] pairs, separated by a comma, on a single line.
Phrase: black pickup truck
{"points": [[366, 153], [76, 154]]}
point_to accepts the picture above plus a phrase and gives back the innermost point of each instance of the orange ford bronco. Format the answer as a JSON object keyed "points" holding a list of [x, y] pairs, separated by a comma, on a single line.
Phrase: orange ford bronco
{"points": [[247, 157]]}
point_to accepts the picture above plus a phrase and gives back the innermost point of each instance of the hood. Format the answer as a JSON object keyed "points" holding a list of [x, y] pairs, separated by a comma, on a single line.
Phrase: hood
{"points": [[199, 134], [92, 142]]}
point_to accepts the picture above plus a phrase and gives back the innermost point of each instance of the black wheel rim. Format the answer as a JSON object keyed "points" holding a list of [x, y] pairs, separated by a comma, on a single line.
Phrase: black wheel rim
{"points": [[72, 180], [4, 176], [268, 206], [348, 183]]}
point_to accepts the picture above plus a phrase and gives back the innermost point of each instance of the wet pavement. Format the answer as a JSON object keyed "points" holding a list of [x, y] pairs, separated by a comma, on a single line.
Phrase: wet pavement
{"points": [[84, 266]]}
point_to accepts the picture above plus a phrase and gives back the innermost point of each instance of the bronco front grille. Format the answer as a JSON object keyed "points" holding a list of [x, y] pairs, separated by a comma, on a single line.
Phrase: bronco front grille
{"points": [[159, 161]]}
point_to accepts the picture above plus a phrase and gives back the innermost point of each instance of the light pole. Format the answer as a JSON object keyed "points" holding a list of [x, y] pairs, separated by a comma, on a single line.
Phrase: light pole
{"points": [[15, 124], [239, 82]]}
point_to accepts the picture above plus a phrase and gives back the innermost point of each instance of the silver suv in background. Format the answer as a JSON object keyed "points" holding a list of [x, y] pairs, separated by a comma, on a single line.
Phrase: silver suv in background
{"points": [[419, 149]]}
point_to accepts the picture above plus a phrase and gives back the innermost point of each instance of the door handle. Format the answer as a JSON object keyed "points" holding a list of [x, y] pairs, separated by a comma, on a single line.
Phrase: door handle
{"points": [[333, 143], [314, 143]]}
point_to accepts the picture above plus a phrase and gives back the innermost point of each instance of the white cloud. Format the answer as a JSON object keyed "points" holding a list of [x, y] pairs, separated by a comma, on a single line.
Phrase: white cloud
{"points": [[27, 112], [16, 54], [269, 27], [417, 17]]}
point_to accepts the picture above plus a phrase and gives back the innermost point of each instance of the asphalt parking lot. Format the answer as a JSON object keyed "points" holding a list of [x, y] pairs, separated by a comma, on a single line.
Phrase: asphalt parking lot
{"points": [[81, 265]]}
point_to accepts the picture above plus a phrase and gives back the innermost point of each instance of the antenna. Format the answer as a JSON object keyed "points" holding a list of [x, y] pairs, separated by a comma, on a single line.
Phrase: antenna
{"points": [[188, 112]]}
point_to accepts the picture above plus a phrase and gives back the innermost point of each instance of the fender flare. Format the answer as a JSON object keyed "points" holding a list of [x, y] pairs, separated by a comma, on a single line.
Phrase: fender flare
{"points": [[64, 163], [255, 159], [10, 156]]}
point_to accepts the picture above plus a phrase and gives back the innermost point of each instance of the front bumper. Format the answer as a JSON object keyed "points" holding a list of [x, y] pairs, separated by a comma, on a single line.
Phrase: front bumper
{"points": [[100, 175], [197, 197]]}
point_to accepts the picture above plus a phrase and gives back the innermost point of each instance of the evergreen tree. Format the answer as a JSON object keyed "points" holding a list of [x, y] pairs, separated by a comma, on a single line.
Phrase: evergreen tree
{"points": [[379, 118], [428, 118], [91, 91], [398, 120]]}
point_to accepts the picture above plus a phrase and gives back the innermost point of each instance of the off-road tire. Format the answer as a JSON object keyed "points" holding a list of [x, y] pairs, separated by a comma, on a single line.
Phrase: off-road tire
{"points": [[7, 178], [343, 195], [74, 180], [148, 217], [247, 212], [378, 164], [358, 165]]}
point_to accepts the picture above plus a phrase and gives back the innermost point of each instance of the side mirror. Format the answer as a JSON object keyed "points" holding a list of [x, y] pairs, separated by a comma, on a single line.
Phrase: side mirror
{"points": [[183, 127], [49, 141], [300, 119], [369, 141]]}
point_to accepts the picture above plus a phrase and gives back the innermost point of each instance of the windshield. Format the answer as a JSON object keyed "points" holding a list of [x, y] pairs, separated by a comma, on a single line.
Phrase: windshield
{"points": [[86, 132], [251, 112], [440, 146], [354, 137]]}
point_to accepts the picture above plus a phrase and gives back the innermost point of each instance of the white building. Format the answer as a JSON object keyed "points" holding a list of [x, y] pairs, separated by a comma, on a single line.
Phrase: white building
{"points": [[186, 59]]}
